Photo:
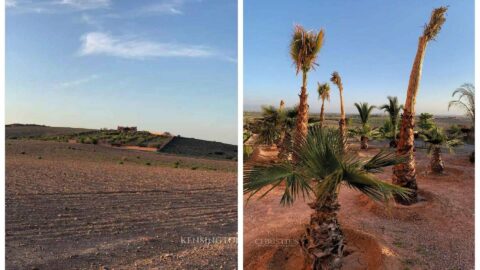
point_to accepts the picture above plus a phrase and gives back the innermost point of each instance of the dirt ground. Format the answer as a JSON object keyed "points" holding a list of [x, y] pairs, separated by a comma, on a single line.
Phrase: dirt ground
{"points": [[74, 206], [437, 233]]}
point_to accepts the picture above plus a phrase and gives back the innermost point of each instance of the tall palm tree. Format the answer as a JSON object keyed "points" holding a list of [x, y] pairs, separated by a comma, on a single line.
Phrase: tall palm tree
{"points": [[436, 138], [466, 91], [304, 49], [343, 121], [365, 111], [322, 167], [393, 109], [405, 174], [323, 94]]}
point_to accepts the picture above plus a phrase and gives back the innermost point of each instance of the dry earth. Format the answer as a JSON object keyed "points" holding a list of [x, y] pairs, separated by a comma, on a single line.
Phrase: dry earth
{"points": [[435, 234], [75, 206]]}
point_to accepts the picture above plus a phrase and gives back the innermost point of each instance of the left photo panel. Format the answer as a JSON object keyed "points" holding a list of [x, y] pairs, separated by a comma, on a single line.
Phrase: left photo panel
{"points": [[121, 134]]}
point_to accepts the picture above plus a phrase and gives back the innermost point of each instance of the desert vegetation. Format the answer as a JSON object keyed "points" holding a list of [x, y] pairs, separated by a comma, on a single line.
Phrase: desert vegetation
{"points": [[324, 158]]}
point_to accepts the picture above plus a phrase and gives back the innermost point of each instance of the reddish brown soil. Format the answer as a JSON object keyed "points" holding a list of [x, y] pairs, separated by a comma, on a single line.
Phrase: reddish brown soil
{"points": [[437, 233], [77, 207]]}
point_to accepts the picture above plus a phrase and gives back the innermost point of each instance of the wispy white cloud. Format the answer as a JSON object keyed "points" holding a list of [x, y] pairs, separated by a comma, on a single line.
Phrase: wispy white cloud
{"points": [[56, 6], [77, 82], [10, 3], [86, 4], [173, 7], [98, 43]]}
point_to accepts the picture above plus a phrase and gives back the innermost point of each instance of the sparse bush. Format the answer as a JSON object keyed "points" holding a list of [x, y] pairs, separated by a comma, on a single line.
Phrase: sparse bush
{"points": [[120, 162], [148, 163], [23, 153], [176, 164], [39, 157], [194, 168]]}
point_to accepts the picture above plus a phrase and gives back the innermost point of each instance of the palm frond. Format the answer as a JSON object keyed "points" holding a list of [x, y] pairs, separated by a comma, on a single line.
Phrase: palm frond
{"points": [[382, 159], [372, 187], [263, 175]]}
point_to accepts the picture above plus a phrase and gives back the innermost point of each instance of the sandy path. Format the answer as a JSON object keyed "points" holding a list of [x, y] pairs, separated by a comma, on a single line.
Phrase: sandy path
{"points": [[436, 234]]}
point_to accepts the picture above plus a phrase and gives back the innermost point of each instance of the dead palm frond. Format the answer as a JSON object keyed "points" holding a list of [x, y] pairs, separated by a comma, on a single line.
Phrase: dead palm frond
{"points": [[437, 19]]}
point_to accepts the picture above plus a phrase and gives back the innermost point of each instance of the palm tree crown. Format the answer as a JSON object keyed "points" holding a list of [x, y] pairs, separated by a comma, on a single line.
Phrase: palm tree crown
{"points": [[393, 109], [324, 91], [322, 166], [336, 79], [364, 110], [466, 91], [304, 48], [437, 137]]}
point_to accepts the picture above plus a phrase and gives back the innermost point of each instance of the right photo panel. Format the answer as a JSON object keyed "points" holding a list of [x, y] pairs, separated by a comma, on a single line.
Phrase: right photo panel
{"points": [[359, 134]]}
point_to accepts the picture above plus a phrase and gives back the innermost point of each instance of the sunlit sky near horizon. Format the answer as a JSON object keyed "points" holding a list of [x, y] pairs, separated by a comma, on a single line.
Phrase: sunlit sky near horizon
{"points": [[167, 65], [371, 44]]}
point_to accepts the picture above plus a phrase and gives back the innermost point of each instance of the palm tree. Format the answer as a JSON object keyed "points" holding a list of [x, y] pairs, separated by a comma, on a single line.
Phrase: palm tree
{"points": [[287, 125], [364, 110], [436, 138], [322, 167], [304, 49], [270, 129], [323, 94], [393, 109], [343, 122], [405, 174], [467, 91]]}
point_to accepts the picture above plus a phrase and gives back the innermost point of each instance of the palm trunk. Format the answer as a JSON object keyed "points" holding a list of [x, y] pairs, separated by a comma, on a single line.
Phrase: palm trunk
{"points": [[343, 121], [394, 142], [364, 142], [323, 241], [436, 163], [285, 146], [302, 117], [404, 174], [322, 113]]}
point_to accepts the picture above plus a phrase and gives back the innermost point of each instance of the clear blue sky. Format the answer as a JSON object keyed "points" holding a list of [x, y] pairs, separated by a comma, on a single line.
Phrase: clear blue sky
{"points": [[370, 43], [167, 65]]}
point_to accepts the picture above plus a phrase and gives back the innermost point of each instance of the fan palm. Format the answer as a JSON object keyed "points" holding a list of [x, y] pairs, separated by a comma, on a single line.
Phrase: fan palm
{"points": [[304, 49], [466, 91], [337, 80], [364, 110], [322, 167], [436, 138], [287, 125], [323, 94], [270, 126], [405, 174], [393, 109]]}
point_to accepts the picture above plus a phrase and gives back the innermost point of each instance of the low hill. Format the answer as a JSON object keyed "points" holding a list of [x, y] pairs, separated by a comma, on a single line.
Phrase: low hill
{"points": [[140, 139], [194, 147], [14, 131]]}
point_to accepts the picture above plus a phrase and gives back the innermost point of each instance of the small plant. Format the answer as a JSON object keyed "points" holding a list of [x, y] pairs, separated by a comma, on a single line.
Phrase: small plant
{"points": [[148, 163], [176, 164], [436, 138], [23, 153], [120, 162], [194, 168], [39, 157]]}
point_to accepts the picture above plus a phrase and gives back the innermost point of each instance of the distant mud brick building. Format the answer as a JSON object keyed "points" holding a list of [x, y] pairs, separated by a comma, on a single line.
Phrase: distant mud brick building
{"points": [[126, 129]]}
